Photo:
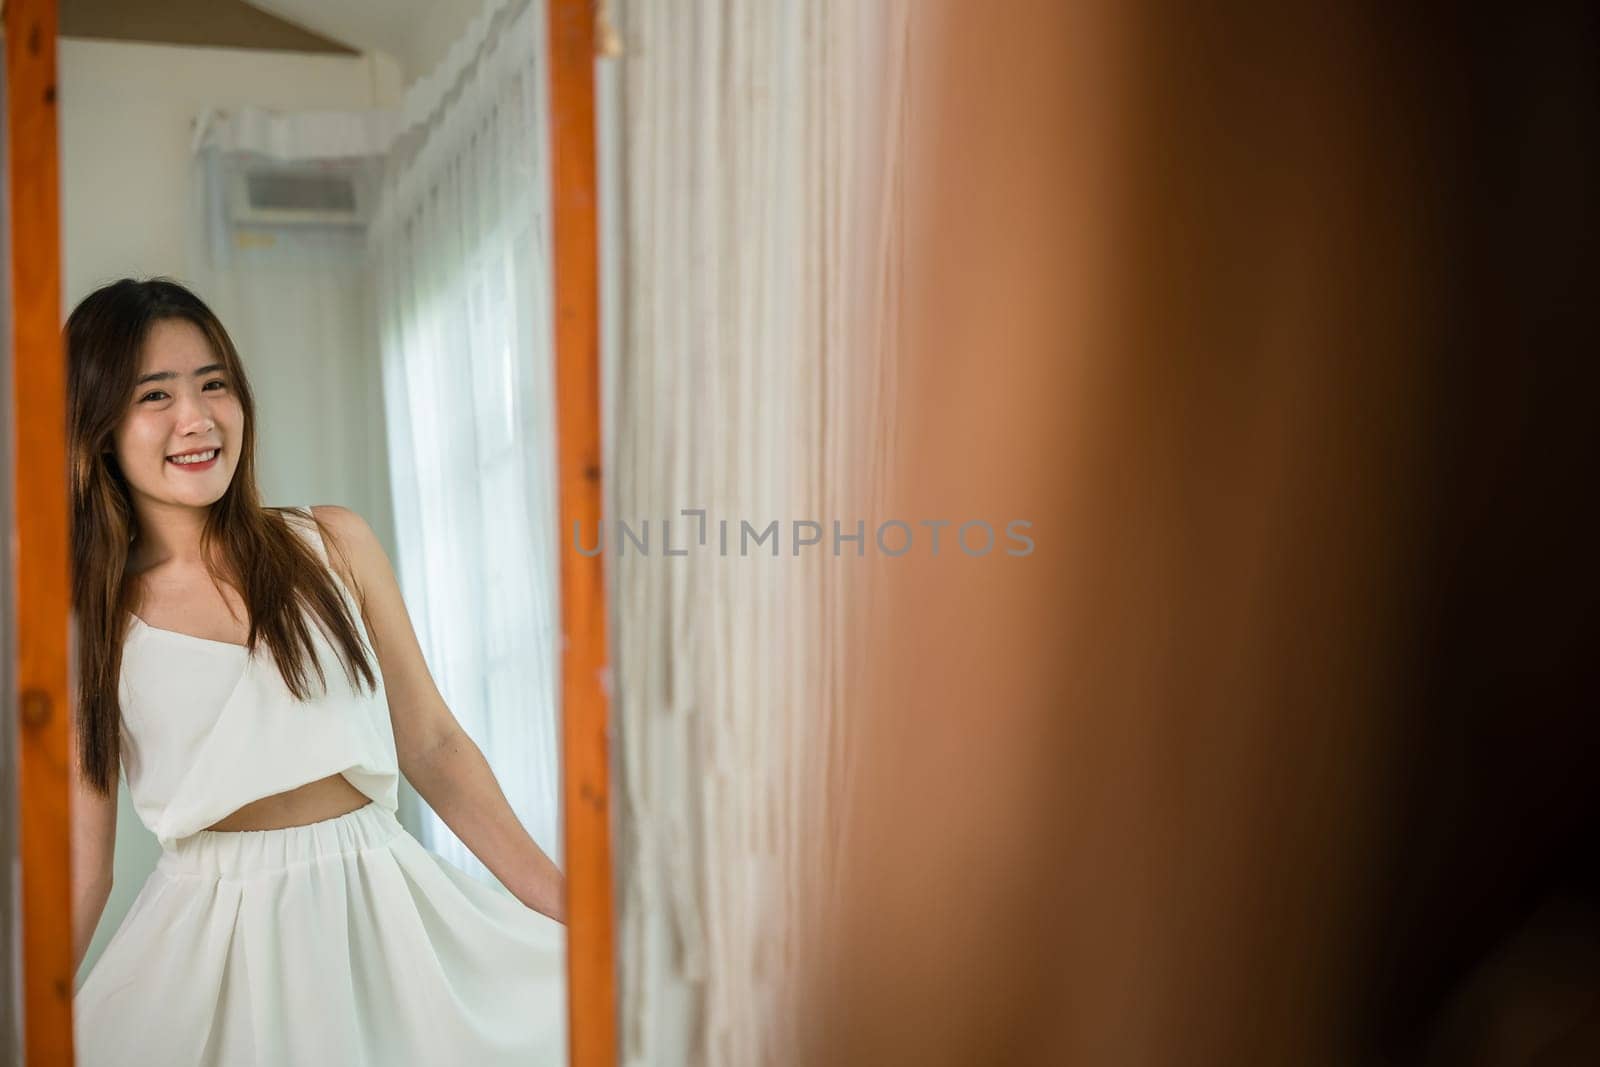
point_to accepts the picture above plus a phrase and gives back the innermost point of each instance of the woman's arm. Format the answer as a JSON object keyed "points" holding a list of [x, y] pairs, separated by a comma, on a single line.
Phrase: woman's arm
{"points": [[94, 842], [437, 757], [457, 782]]}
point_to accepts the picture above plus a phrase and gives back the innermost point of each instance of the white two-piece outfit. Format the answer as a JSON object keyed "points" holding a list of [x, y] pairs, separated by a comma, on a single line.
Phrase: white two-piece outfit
{"points": [[342, 942]]}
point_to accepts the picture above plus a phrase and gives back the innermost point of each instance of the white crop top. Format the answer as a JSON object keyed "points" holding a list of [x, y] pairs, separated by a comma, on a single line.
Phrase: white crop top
{"points": [[207, 727]]}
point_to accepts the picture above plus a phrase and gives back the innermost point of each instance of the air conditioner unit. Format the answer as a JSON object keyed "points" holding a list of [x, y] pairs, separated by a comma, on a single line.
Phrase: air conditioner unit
{"points": [[264, 195]]}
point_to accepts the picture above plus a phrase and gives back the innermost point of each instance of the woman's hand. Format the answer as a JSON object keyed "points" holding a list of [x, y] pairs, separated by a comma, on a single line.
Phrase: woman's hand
{"points": [[456, 781]]}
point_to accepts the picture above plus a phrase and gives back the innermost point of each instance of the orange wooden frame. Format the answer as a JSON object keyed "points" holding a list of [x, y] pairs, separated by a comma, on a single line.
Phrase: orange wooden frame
{"points": [[43, 580], [591, 963]]}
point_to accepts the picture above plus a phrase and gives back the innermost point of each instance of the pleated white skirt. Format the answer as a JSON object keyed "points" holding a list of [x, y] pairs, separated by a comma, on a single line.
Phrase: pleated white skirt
{"points": [[344, 942]]}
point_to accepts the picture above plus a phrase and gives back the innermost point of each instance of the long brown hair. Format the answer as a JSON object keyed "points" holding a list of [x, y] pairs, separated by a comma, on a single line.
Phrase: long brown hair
{"points": [[277, 570]]}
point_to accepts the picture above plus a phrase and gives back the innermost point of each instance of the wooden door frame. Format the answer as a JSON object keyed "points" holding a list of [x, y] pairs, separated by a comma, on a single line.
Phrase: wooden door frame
{"points": [[41, 535], [586, 763]]}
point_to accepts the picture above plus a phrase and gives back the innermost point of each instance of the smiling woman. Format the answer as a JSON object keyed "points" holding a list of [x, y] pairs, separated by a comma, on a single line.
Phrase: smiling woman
{"points": [[291, 918], [193, 409]]}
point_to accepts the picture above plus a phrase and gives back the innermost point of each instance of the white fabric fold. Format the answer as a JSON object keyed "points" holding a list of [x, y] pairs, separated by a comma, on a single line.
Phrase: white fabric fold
{"points": [[343, 943]]}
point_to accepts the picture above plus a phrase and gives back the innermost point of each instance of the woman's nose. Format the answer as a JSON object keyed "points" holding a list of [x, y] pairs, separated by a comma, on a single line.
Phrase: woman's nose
{"points": [[193, 413]]}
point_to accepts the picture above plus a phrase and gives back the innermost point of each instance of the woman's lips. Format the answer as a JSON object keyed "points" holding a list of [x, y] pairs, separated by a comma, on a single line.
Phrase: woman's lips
{"points": [[193, 468]]}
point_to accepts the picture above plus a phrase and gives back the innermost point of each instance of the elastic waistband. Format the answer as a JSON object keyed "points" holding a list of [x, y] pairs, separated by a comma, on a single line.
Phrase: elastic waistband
{"points": [[238, 853]]}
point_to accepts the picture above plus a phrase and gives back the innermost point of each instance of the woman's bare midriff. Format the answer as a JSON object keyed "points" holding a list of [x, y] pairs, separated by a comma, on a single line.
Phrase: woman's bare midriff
{"points": [[326, 798]]}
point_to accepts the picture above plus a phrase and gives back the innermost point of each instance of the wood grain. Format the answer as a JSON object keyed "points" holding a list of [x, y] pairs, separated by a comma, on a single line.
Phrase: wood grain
{"points": [[40, 539], [591, 965]]}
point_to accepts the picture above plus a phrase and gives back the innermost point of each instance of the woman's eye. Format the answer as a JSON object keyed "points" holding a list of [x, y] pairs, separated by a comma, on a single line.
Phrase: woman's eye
{"points": [[154, 393]]}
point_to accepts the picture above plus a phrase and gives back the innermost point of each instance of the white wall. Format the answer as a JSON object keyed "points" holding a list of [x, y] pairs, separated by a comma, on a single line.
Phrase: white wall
{"points": [[442, 22], [126, 113], [125, 130]]}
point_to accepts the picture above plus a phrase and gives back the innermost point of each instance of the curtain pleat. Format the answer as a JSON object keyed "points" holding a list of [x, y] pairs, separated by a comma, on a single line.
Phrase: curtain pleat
{"points": [[756, 238], [460, 251]]}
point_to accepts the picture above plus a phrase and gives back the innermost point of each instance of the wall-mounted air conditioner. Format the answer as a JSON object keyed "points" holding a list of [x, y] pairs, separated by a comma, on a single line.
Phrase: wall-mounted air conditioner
{"points": [[267, 195]]}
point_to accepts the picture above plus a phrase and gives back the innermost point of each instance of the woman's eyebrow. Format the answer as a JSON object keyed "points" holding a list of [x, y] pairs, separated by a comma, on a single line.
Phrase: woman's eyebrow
{"points": [[167, 375]]}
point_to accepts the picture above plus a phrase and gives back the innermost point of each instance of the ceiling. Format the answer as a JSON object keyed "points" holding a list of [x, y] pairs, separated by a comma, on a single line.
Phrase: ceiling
{"points": [[214, 23], [367, 25], [416, 33]]}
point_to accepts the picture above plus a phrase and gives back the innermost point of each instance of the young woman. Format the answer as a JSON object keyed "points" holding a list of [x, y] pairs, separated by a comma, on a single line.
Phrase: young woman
{"points": [[254, 672]]}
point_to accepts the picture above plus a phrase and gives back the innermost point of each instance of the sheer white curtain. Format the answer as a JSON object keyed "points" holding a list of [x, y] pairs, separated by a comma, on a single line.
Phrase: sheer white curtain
{"points": [[461, 265], [756, 156]]}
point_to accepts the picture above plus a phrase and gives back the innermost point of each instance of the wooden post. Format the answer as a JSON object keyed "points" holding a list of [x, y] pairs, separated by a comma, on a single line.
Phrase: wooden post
{"points": [[41, 536], [591, 964]]}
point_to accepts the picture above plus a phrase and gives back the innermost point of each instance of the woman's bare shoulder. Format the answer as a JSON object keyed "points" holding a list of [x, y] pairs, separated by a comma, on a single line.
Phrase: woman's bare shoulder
{"points": [[351, 544]]}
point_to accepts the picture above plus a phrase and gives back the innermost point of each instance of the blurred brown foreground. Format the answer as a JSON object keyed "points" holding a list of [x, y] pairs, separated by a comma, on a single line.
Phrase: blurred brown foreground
{"points": [[1277, 322]]}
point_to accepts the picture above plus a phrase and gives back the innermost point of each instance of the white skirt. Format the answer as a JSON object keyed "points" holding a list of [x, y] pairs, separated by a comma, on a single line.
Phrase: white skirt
{"points": [[344, 942]]}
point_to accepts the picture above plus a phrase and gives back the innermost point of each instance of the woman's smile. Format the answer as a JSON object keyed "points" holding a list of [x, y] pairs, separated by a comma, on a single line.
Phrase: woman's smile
{"points": [[197, 460]]}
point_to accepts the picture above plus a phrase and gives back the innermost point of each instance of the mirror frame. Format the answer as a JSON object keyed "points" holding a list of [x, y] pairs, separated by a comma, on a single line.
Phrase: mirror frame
{"points": [[40, 538], [42, 535], [585, 664]]}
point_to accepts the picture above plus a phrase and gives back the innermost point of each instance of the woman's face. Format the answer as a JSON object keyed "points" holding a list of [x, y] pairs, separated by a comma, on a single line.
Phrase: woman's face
{"points": [[182, 402]]}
